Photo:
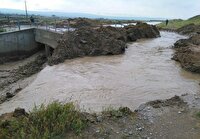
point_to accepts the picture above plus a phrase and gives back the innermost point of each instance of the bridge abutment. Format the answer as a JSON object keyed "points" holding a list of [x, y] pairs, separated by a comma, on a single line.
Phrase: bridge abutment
{"points": [[47, 51], [23, 43]]}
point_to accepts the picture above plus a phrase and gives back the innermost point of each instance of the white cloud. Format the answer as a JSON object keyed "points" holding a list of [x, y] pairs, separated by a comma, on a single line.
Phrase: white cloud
{"points": [[147, 8]]}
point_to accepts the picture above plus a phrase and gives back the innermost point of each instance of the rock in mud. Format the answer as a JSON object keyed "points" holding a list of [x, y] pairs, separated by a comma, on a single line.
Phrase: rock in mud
{"points": [[187, 52], [175, 101], [19, 112], [9, 95]]}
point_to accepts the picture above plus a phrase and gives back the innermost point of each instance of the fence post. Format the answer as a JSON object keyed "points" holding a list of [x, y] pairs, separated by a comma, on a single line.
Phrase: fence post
{"points": [[68, 22], [46, 25], [18, 24], [55, 25]]}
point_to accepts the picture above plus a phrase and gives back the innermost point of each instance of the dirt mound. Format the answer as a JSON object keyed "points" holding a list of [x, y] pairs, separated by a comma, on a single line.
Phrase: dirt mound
{"points": [[188, 53], [88, 41], [117, 33], [189, 29], [141, 30]]}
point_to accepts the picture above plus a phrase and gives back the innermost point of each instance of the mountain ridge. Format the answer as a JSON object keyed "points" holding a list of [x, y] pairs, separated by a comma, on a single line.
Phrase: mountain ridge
{"points": [[73, 15]]}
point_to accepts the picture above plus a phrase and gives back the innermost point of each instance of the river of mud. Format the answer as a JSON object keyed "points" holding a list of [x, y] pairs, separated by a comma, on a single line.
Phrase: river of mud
{"points": [[144, 73]]}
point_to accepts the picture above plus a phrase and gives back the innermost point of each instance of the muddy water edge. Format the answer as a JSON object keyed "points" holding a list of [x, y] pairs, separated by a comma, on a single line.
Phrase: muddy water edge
{"points": [[144, 73], [136, 79]]}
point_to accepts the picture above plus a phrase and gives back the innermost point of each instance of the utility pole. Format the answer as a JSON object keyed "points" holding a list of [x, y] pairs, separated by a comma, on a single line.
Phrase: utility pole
{"points": [[26, 10], [54, 16]]}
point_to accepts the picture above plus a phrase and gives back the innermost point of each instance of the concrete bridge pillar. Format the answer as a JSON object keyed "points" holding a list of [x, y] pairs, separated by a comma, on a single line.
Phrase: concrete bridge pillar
{"points": [[47, 51]]}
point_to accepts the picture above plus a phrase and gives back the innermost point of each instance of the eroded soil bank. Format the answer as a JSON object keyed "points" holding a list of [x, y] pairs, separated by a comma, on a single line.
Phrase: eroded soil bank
{"points": [[187, 51], [14, 76], [143, 74]]}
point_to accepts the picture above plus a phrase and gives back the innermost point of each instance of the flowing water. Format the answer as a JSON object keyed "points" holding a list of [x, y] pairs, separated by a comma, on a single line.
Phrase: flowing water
{"points": [[144, 73]]}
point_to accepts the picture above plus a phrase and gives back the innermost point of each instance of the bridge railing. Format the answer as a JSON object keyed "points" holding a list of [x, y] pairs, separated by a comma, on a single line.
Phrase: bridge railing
{"points": [[15, 25]]}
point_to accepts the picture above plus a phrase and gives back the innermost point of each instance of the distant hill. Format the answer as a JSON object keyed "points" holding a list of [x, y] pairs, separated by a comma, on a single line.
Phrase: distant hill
{"points": [[73, 15], [178, 23], [195, 18]]}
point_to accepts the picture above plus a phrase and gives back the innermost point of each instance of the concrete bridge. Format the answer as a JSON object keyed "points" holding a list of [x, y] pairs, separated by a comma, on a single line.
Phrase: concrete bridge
{"points": [[47, 37], [27, 42]]}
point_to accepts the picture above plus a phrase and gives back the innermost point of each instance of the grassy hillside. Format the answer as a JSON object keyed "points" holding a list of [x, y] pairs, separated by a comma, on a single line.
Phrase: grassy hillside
{"points": [[177, 23]]}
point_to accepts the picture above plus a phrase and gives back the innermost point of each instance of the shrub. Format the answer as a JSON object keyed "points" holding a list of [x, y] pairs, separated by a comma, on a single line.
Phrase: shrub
{"points": [[52, 121]]}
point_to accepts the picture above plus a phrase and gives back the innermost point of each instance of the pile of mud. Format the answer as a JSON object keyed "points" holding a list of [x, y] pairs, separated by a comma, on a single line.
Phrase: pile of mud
{"points": [[188, 53], [89, 41], [86, 42], [190, 29], [141, 30]]}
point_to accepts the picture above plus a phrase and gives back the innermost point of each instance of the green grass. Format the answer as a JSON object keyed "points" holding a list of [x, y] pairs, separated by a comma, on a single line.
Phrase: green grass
{"points": [[2, 30], [178, 23], [198, 114], [52, 121]]}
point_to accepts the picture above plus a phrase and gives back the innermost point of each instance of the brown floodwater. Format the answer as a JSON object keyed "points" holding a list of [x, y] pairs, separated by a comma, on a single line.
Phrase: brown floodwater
{"points": [[144, 73]]}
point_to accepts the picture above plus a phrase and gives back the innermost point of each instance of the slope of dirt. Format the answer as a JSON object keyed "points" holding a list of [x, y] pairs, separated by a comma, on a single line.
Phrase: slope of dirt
{"points": [[175, 118], [187, 52], [141, 30], [88, 41], [11, 73], [189, 29]]}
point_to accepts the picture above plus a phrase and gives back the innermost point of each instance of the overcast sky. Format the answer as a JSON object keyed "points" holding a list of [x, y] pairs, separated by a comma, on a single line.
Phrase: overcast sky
{"points": [[137, 8]]}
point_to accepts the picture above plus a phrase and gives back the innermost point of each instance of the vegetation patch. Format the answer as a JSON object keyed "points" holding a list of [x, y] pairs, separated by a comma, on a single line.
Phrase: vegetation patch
{"points": [[2, 30], [52, 121], [198, 114], [178, 23], [57, 120]]}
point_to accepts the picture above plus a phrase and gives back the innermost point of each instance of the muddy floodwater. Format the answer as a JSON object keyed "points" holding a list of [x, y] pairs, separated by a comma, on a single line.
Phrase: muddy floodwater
{"points": [[144, 73]]}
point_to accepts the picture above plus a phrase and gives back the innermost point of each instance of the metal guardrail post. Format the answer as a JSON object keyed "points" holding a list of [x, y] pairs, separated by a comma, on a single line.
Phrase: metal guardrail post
{"points": [[18, 24], [68, 22], [55, 25], [46, 25]]}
